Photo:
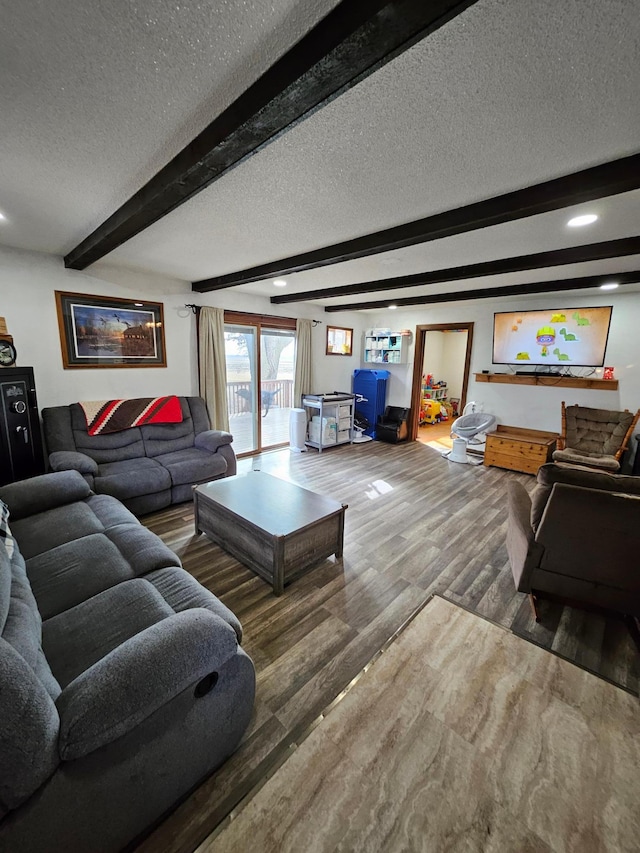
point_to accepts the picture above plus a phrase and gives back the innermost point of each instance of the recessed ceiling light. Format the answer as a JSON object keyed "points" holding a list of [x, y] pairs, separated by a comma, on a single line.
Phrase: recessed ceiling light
{"points": [[585, 219], [610, 285], [3, 218], [392, 307], [279, 282]]}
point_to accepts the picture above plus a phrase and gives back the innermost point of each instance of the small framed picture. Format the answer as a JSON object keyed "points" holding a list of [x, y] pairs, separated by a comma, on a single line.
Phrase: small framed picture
{"points": [[101, 331], [339, 340]]}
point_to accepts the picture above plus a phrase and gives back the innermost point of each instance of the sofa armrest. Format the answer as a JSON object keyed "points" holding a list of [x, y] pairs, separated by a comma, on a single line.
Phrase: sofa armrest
{"points": [[520, 538], [38, 494], [72, 460], [212, 439], [138, 677]]}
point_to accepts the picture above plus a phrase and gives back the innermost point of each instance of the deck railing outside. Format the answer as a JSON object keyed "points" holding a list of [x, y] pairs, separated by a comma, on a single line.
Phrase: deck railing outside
{"points": [[239, 395]]}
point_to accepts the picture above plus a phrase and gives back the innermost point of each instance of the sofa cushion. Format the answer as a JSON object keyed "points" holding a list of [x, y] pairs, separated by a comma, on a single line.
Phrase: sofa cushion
{"points": [[51, 528], [131, 478], [74, 571], [53, 490], [76, 639], [115, 447], [593, 431], [573, 475], [192, 465], [182, 592], [577, 457], [169, 438]]}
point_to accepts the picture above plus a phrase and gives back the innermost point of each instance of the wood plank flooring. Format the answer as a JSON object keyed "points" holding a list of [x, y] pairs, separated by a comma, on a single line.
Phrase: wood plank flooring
{"points": [[416, 525]]}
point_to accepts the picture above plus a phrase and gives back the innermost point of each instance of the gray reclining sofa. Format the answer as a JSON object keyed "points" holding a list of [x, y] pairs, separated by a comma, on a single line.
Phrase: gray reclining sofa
{"points": [[148, 467], [122, 682]]}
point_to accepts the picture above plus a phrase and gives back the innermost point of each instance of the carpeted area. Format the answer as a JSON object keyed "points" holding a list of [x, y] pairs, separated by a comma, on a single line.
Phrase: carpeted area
{"points": [[460, 737]]}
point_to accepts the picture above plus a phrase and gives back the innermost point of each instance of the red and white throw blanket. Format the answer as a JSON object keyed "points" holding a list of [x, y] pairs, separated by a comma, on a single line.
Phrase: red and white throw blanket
{"points": [[104, 416]]}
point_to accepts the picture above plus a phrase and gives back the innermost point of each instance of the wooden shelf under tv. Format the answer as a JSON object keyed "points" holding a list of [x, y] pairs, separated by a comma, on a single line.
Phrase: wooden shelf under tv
{"points": [[549, 381]]}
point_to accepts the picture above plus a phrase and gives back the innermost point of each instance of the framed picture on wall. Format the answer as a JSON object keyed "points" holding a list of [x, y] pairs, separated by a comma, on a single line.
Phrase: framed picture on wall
{"points": [[101, 331], [339, 340]]}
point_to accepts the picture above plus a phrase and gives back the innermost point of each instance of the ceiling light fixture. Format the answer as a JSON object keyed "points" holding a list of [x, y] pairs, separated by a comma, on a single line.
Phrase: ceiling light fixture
{"points": [[279, 282], [609, 285], [3, 218], [392, 307], [138, 304], [584, 219]]}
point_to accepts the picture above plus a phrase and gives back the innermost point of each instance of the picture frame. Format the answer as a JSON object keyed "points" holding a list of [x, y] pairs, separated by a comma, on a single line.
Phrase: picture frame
{"points": [[339, 340], [105, 331]]}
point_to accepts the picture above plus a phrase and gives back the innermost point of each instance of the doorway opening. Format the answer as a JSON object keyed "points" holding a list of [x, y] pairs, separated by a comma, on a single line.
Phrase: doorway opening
{"points": [[440, 377]]}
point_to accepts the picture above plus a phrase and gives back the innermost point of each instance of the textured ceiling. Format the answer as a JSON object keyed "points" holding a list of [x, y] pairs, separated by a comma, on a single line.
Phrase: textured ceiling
{"points": [[95, 99]]}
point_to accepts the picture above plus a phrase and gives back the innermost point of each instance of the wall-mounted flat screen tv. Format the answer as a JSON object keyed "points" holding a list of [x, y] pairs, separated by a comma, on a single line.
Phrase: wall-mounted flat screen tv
{"points": [[559, 337]]}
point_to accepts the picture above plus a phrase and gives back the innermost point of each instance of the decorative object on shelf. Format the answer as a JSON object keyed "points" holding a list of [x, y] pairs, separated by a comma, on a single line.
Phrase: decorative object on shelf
{"points": [[608, 373], [8, 353], [101, 331], [7, 348], [384, 347], [339, 340]]}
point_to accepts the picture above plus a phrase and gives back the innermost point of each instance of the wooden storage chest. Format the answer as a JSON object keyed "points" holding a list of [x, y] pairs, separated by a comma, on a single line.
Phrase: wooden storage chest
{"points": [[519, 449]]}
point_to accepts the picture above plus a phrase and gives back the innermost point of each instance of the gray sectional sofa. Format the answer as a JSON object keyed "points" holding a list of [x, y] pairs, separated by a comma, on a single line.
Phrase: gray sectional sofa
{"points": [[122, 681], [148, 467]]}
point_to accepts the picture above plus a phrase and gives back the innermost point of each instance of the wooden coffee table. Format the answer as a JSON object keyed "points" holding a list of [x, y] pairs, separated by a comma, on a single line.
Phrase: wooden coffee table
{"points": [[275, 528]]}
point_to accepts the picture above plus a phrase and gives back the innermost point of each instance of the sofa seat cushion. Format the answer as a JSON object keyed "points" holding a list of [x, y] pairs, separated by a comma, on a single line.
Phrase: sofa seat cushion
{"points": [[76, 639], [75, 571], [183, 592], [578, 457], [192, 466], [131, 478], [47, 530]]}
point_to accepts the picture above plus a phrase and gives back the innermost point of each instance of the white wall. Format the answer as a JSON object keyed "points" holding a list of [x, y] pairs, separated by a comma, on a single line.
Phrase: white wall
{"points": [[328, 372], [523, 405], [454, 353], [27, 284], [433, 361]]}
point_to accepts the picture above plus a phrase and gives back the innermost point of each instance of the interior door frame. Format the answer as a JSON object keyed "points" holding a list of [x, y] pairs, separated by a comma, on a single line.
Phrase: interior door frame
{"points": [[418, 360]]}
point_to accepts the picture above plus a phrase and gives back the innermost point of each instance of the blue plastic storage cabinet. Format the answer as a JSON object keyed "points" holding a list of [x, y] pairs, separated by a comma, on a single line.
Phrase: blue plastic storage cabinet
{"points": [[372, 384]]}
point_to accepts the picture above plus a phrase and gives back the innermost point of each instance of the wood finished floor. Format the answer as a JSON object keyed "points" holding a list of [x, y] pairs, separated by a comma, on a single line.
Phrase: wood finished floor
{"points": [[416, 525]]}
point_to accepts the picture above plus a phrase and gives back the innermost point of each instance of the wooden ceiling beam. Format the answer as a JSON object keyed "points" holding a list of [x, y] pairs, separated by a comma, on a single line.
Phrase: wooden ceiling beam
{"points": [[494, 292], [617, 176], [355, 39], [539, 260]]}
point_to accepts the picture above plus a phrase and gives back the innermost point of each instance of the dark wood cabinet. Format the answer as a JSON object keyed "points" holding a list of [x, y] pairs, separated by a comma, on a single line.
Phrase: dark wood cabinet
{"points": [[21, 453]]}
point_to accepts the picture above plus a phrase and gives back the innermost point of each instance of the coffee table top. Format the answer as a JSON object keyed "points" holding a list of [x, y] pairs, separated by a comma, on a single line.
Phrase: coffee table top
{"points": [[276, 506]]}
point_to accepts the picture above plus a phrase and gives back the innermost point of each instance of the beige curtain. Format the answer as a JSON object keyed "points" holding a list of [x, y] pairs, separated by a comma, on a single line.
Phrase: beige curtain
{"points": [[302, 380], [213, 366]]}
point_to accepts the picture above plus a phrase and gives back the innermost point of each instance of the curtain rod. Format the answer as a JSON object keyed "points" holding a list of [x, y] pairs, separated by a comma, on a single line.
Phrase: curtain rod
{"points": [[194, 308]]}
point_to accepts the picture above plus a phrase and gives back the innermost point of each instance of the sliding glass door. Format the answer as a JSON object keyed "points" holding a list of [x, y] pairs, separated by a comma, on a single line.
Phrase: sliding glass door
{"points": [[260, 369]]}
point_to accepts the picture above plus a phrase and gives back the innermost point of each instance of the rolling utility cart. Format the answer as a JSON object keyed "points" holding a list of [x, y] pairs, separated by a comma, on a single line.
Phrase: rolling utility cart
{"points": [[330, 419]]}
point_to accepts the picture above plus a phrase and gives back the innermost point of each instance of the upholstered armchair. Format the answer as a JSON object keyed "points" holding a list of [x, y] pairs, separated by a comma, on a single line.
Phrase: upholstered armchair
{"points": [[577, 538], [392, 425], [596, 438]]}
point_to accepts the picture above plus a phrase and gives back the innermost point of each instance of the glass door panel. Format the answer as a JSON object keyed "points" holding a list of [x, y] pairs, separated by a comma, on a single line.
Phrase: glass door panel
{"points": [[241, 353], [277, 352]]}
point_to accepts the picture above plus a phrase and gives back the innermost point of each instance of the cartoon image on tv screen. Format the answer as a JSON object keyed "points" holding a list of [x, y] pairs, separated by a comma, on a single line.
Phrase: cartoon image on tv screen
{"points": [[555, 337]]}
